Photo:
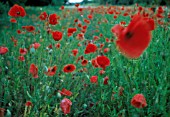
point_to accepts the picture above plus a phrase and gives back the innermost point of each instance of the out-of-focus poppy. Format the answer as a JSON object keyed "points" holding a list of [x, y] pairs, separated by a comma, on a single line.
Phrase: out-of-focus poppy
{"points": [[65, 92], [23, 51], [43, 16], [51, 71], [139, 101], [75, 52], [93, 79], [53, 19], [134, 39], [65, 106], [33, 70], [3, 50]]}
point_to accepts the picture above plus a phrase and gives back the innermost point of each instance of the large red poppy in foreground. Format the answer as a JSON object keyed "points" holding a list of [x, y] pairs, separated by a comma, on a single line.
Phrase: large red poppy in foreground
{"points": [[17, 11], [135, 38]]}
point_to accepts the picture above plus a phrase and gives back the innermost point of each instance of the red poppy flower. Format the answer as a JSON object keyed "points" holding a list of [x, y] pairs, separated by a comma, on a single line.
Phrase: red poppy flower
{"points": [[19, 31], [65, 92], [62, 7], [23, 51], [106, 50], [43, 16], [103, 61], [77, 5], [80, 36], [69, 68], [93, 79], [84, 62], [57, 45], [90, 16], [36, 45], [13, 20], [29, 28], [94, 63], [53, 19], [33, 70], [71, 30], [3, 50], [57, 35], [139, 101], [105, 80], [134, 39], [101, 72], [75, 52], [65, 106], [90, 48], [51, 71], [17, 11], [21, 58], [28, 103]]}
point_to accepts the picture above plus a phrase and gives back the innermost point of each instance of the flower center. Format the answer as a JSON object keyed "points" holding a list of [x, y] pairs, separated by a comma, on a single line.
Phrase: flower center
{"points": [[128, 35]]}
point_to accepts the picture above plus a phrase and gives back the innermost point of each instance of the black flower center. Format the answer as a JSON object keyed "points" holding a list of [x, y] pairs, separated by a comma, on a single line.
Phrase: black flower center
{"points": [[128, 35]]}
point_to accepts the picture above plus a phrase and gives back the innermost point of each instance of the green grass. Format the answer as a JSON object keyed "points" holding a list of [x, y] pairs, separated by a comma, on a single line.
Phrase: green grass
{"points": [[149, 74]]}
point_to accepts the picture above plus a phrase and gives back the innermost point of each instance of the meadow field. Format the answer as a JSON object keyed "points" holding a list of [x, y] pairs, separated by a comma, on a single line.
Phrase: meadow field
{"points": [[102, 61]]}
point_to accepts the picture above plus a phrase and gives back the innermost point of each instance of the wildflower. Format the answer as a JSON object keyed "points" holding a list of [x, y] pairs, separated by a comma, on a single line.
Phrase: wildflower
{"points": [[75, 52], [65, 92], [90, 48], [84, 62], [51, 71], [57, 35], [43, 16], [103, 61], [17, 11], [105, 80], [21, 58], [69, 68], [13, 20], [134, 39], [65, 106], [93, 79], [33, 70], [28, 103], [3, 50], [23, 51], [139, 101], [53, 19]]}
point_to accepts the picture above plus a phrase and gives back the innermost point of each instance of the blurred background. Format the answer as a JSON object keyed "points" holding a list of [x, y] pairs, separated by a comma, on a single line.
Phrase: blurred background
{"points": [[70, 2]]}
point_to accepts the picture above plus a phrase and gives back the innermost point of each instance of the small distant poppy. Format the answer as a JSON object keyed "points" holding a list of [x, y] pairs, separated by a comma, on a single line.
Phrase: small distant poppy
{"points": [[53, 19], [65, 92], [93, 79], [69, 68], [3, 50], [13, 20], [75, 52], [103, 61], [21, 58], [90, 48], [139, 101], [57, 35], [51, 71], [65, 106], [43, 16], [36, 45], [33, 70], [23, 51], [28, 103], [84, 62], [105, 80]]}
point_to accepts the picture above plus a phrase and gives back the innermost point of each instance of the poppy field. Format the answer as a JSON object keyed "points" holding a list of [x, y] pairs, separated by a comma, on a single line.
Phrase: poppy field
{"points": [[104, 61]]}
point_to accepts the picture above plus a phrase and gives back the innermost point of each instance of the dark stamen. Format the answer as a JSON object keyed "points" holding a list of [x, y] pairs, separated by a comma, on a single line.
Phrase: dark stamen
{"points": [[129, 35]]}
